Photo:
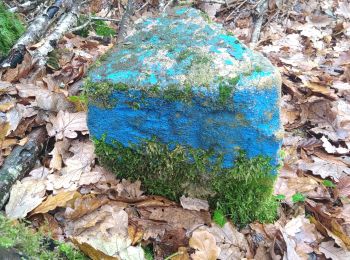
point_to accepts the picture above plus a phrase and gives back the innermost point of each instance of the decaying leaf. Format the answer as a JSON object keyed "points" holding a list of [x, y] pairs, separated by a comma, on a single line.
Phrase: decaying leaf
{"points": [[194, 204], [332, 252], [205, 245], [59, 200], [67, 124], [232, 243], [325, 169], [24, 197]]}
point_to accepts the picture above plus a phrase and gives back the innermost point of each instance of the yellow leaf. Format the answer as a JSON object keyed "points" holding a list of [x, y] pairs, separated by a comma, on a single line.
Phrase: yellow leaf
{"points": [[59, 200]]}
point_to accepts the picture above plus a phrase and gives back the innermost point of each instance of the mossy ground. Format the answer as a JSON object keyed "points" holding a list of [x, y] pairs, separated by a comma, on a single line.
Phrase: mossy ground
{"points": [[33, 245], [11, 29], [243, 193]]}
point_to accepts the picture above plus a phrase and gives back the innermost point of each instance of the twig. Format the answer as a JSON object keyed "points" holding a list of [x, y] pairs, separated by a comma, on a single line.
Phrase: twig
{"points": [[66, 21], [34, 32], [26, 6], [126, 21], [236, 8], [261, 8], [104, 19]]}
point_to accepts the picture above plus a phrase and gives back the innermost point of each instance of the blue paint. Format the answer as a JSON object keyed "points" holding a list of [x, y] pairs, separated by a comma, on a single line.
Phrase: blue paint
{"points": [[163, 52]]}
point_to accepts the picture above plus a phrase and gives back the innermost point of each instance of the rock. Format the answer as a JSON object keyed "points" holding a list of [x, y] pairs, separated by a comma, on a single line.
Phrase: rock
{"points": [[183, 80]]}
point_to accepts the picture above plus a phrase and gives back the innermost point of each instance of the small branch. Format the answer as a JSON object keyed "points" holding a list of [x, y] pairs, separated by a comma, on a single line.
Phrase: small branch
{"points": [[96, 18], [262, 9], [126, 21], [20, 162], [26, 6], [34, 32], [66, 21]]}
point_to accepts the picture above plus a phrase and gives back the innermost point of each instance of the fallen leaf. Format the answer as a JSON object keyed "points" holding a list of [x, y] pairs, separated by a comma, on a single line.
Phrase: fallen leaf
{"points": [[84, 205], [66, 124], [325, 169], [205, 245], [343, 187], [194, 204], [332, 252], [232, 243], [59, 200], [24, 197]]}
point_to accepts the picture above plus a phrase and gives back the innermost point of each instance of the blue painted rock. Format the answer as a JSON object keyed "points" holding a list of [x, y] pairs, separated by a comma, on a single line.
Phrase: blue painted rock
{"points": [[184, 80]]}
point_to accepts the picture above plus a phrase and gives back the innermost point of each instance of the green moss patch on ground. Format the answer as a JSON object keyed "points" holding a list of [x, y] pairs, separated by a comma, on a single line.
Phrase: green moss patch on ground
{"points": [[11, 28], [33, 245], [243, 193]]}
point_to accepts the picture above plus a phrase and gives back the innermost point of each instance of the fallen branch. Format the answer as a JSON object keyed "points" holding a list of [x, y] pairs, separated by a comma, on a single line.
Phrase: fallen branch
{"points": [[67, 20], [26, 6], [261, 8], [20, 162], [33, 34], [125, 21]]}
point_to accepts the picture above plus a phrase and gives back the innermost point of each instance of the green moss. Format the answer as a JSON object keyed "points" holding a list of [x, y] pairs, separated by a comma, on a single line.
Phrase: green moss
{"points": [[34, 245], [11, 28], [184, 54], [206, 17], [102, 28], [226, 88], [243, 193]]}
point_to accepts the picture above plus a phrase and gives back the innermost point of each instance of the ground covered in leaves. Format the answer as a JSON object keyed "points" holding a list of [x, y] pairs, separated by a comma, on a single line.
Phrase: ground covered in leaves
{"points": [[76, 200]]}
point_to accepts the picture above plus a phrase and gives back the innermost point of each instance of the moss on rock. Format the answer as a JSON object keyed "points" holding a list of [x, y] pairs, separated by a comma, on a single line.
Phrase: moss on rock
{"points": [[244, 192]]}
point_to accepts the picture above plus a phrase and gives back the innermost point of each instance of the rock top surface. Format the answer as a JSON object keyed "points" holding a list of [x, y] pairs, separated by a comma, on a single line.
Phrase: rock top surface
{"points": [[183, 48]]}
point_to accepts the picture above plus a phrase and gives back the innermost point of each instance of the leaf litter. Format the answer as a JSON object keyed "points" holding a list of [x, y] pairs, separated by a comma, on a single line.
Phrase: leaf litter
{"points": [[114, 219]]}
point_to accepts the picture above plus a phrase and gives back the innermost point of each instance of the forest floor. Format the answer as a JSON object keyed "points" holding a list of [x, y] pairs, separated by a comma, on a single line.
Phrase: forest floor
{"points": [[79, 201]]}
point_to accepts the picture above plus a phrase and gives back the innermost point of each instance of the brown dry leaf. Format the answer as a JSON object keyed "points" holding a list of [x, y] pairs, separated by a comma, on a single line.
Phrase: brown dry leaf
{"points": [[205, 245], [288, 183], [194, 204], [176, 217], [325, 169], [84, 205], [343, 187], [59, 200], [48, 225], [58, 153], [92, 252], [106, 230], [303, 234], [232, 243], [83, 155], [182, 254], [66, 124], [24, 197], [135, 234], [21, 71], [328, 224], [130, 190], [67, 180], [332, 252], [317, 88]]}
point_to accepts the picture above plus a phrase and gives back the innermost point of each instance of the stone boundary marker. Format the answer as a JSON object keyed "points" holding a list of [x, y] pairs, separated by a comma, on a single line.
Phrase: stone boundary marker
{"points": [[182, 80]]}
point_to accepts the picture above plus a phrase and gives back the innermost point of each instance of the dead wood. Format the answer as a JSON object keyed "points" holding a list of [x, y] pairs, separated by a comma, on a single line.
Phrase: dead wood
{"points": [[33, 34], [20, 162]]}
